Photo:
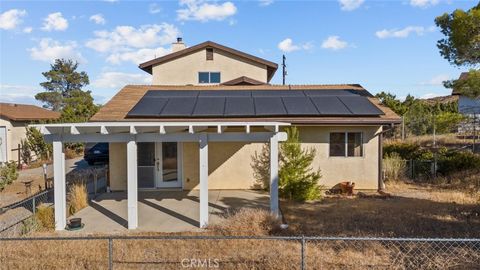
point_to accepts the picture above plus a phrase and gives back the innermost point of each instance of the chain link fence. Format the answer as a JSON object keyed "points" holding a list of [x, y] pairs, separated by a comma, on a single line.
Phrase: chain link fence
{"points": [[11, 216], [239, 252]]}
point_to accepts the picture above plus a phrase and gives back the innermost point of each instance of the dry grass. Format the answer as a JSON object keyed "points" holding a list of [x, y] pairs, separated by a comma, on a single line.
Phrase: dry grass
{"points": [[413, 211], [77, 197], [427, 140], [394, 167]]}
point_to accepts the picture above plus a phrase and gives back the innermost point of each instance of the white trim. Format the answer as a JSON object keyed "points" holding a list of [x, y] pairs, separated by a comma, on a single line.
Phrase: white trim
{"points": [[59, 186], [203, 173], [103, 127], [132, 185], [274, 209]]}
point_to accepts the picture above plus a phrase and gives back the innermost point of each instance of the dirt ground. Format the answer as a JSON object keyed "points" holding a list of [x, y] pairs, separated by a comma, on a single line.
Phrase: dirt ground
{"points": [[411, 211]]}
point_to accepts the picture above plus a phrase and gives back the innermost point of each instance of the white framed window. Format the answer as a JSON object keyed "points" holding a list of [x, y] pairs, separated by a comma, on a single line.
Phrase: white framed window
{"points": [[346, 144], [209, 77]]}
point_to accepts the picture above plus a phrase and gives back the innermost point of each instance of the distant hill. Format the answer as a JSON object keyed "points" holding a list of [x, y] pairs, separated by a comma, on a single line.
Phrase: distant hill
{"points": [[443, 99]]}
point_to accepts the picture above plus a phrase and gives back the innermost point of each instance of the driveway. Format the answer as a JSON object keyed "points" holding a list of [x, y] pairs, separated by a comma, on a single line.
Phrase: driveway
{"points": [[164, 210], [16, 191]]}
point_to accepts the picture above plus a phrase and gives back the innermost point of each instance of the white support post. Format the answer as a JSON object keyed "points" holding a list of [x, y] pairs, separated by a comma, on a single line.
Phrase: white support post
{"points": [[132, 191], [203, 181], [274, 175], [59, 186]]}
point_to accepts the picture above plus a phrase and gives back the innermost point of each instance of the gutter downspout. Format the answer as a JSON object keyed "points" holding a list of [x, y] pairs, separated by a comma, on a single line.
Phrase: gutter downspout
{"points": [[381, 183]]}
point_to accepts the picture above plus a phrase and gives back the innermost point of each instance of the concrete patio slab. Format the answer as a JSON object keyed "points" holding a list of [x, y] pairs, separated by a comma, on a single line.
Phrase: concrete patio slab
{"points": [[165, 210]]}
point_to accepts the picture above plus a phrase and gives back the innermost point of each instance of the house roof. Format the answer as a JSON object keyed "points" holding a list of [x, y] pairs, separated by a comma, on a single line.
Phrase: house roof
{"points": [[243, 80], [463, 76], [123, 102], [147, 66], [24, 112]]}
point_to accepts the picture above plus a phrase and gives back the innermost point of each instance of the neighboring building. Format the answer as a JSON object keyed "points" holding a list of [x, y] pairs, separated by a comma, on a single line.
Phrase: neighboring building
{"points": [[14, 119], [210, 109], [467, 106]]}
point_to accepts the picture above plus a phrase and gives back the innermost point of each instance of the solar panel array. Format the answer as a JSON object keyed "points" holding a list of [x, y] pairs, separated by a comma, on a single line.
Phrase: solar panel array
{"points": [[257, 103]]}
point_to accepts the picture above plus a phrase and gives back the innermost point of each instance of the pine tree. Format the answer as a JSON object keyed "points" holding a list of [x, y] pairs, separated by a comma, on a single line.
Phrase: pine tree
{"points": [[298, 181]]}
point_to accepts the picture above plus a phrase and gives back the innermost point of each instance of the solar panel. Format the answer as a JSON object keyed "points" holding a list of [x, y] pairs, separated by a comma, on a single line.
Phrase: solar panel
{"points": [[360, 105], [299, 106], [209, 106], [171, 93], [179, 106], [330, 105], [239, 106], [148, 107], [225, 93], [277, 93], [236, 103], [269, 106]]}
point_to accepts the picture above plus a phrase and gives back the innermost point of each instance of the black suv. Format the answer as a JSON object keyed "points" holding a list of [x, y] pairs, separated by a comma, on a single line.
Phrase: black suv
{"points": [[96, 153]]}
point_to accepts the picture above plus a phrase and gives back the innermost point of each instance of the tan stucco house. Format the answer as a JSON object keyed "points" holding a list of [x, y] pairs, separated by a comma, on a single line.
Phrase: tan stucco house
{"points": [[14, 119], [209, 109]]}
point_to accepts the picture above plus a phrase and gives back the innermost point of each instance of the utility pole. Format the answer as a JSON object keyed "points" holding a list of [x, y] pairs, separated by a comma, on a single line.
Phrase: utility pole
{"points": [[403, 128], [284, 68], [474, 131]]}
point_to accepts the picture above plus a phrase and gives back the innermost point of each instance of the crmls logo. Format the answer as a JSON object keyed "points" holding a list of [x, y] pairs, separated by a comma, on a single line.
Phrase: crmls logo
{"points": [[200, 263]]}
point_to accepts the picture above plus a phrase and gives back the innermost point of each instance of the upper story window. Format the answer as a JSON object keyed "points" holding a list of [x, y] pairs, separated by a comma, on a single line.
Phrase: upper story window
{"points": [[209, 77], [346, 144], [209, 52]]}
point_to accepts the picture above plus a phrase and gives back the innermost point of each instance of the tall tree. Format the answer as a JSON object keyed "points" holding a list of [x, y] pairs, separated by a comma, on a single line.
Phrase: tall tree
{"points": [[461, 47], [62, 80]]}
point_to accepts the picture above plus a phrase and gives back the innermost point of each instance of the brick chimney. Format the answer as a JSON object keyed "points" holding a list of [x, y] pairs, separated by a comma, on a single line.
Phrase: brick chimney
{"points": [[178, 46]]}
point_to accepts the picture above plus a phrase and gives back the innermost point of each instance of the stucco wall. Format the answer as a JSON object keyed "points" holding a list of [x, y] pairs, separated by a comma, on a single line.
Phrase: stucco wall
{"points": [[118, 166], [230, 163], [15, 133], [184, 70]]}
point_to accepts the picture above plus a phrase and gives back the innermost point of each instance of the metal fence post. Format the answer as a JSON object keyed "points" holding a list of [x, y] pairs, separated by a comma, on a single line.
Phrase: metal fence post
{"points": [[110, 253], [303, 252], [34, 205]]}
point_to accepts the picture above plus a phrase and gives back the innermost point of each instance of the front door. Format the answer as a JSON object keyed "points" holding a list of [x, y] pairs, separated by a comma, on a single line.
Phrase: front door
{"points": [[159, 165]]}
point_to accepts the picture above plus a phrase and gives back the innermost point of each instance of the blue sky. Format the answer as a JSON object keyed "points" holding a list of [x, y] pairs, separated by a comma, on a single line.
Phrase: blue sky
{"points": [[383, 45]]}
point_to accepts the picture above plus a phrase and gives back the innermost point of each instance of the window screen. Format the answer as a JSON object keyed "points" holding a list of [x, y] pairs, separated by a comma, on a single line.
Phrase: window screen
{"points": [[355, 148], [346, 144], [337, 144], [214, 77], [203, 77], [209, 53]]}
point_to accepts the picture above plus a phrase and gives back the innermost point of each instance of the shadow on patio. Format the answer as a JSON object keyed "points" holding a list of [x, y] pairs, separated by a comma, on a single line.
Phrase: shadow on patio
{"points": [[165, 210]]}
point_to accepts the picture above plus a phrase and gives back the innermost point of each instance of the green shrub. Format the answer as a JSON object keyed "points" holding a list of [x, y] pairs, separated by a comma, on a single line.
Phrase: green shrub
{"points": [[8, 173], [407, 151], [452, 161], [297, 180]]}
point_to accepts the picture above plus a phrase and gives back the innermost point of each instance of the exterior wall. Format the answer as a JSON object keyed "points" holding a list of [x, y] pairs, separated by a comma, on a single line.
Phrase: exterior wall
{"points": [[184, 70], [15, 133], [118, 166], [230, 163]]}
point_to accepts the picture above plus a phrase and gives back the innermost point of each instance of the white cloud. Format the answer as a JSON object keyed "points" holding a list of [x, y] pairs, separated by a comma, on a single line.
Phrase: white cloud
{"points": [[23, 94], [27, 30], [138, 56], [123, 37], [203, 10], [287, 45], [120, 79], [98, 19], [349, 5], [265, 3], [437, 80], [424, 3], [433, 95], [10, 19], [55, 21], [403, 33], [334, 43], [154, 8], [48, 50]]}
